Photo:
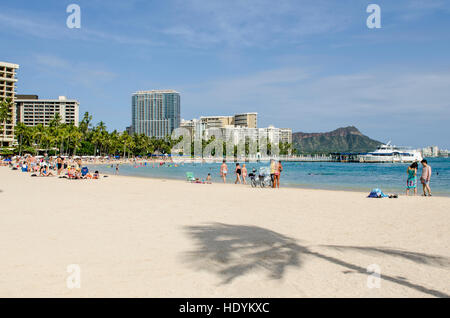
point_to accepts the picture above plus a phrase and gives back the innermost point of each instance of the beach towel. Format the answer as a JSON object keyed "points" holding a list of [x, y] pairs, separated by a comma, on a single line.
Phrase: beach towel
{"points": [[377, 193]]}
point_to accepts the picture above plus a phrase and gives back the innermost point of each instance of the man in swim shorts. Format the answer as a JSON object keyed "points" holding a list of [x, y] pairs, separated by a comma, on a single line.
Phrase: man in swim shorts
{"points": [[425, 178]]}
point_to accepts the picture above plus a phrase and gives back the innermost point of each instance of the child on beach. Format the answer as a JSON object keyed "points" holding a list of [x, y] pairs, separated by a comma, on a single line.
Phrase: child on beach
{"points": [[425, 178], [411, 181], [208, 178]]}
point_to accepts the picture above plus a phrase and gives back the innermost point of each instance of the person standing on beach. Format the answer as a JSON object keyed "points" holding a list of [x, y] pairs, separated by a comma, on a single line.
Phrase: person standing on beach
{"points": [[278, 170], [59, 165], [273, 167], [223, 171], [276, 174], [425, 178], [411, 181], [238, 173], [117, 169], [244, 173]]}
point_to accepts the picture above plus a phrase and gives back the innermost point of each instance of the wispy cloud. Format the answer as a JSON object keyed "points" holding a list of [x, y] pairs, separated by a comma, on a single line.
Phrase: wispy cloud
{"points": [[256, 23], [26, 25], [310, 101], [73, 71]]}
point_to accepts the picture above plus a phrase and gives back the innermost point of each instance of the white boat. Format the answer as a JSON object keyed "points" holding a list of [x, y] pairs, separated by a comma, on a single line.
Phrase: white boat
{"points": [[391, 153]]}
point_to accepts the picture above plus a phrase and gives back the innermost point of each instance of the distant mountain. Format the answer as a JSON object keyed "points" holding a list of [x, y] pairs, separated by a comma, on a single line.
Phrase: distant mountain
{"points": [[347, 139]]}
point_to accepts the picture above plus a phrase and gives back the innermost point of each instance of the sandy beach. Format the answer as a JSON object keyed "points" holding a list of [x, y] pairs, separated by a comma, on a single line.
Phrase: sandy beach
{"points": [[139, 237]]}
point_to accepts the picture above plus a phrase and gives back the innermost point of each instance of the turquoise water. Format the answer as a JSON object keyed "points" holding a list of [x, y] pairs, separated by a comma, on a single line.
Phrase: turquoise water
{"points": [[322, 175]]}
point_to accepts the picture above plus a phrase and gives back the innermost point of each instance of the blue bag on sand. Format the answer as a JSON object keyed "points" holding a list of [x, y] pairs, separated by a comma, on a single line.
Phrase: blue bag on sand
{"points": [[377, 193]]}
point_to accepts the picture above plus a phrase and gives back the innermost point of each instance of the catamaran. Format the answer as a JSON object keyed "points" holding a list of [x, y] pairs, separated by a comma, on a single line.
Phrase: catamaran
{"points": [[391, 153]]}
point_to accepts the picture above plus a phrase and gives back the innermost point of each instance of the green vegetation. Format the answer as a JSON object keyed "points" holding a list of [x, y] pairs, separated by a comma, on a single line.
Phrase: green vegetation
{"points": [[65, 139], [348, 139], [5, 113]]}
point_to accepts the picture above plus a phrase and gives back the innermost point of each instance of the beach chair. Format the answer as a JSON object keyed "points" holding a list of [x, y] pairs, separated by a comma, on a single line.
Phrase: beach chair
{"points": [[84, 171], [190, 176]]}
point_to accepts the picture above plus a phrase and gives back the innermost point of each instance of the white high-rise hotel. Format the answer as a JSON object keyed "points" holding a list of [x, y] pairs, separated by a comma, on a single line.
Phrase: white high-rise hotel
{"points": [[29, 109], [33, 111], [236, 128], [8, 93]]}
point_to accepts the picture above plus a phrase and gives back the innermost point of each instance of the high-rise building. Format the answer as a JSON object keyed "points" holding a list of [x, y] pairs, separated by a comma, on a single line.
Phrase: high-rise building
{"points": [[286, 135], [248, 120], [8, 92], [195, 127], [155, 113], [33, 111], [216, 121], [245, 120]]}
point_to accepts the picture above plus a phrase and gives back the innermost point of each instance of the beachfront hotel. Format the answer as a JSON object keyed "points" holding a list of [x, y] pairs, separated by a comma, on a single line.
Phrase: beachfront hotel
{"points": [[155, 113], [236, 128], [33, 111], [8, 91], [248, 120]]}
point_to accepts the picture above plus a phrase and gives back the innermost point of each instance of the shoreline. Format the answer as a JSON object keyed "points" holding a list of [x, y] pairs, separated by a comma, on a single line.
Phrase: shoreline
{"points": [[146, 237], [400, 192]]}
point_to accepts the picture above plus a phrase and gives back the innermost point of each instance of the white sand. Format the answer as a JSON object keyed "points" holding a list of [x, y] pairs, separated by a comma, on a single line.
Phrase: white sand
{"points": [[160, 238]]}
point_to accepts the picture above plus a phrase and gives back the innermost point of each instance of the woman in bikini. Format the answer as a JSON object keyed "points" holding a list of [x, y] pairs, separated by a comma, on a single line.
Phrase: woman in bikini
{"points": [[223, 171], [278, 169], [244, 173]]}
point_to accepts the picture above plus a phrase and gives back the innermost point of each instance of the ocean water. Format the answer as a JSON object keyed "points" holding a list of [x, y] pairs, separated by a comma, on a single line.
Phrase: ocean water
{"points": [[391, 178]]}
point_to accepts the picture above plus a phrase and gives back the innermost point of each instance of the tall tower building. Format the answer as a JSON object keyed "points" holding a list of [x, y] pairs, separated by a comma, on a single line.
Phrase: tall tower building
{"points": [[8, 92], [155, 113]]}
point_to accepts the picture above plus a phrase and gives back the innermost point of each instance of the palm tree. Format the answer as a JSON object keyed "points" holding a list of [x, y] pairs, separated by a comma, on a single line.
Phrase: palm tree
{"points": [[85, 125], [23, 134], [5, 113]]}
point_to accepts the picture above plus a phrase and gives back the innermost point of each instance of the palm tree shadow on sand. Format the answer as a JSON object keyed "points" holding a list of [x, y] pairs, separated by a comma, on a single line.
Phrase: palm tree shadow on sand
{"points": [[231, 251]]}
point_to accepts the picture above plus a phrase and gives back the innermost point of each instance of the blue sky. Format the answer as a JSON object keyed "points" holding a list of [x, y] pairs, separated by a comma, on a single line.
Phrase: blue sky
{"points": [[309, 65]]}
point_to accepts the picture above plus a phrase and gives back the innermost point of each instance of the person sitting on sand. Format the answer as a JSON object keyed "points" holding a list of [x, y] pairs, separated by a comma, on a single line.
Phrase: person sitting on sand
{"points": [[96, 175], [44, 172], [411, 181]]}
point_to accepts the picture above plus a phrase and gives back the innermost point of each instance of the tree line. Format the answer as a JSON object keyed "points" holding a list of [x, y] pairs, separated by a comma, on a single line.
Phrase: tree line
{"points": [[93, 140]]}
